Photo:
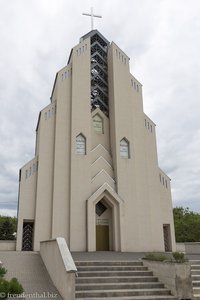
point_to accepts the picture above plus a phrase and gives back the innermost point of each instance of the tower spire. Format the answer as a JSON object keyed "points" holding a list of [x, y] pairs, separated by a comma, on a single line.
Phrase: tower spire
{"points": [[92, 17]]}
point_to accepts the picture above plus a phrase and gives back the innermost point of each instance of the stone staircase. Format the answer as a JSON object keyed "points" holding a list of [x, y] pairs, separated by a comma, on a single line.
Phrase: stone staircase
{"points": [[123, 280], [195, 273]]}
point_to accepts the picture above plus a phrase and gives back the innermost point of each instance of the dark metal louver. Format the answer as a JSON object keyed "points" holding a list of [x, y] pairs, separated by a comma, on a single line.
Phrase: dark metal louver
{"points": [[27, 241], [99, 73]]}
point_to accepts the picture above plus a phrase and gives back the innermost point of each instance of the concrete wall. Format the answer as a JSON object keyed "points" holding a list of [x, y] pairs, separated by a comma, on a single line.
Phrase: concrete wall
{"points": [[27, 195], [61, 181], [7, 245], [60, 266], [188, 248], [80, 185], [123, 124], [166, 205], [137, 178], [44, 189], [180, 247], [176, 277]]}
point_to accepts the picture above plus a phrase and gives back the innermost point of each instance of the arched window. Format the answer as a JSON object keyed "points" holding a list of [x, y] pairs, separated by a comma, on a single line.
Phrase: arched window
{"points": [[124, 148], [80, 144], [97, 123]]}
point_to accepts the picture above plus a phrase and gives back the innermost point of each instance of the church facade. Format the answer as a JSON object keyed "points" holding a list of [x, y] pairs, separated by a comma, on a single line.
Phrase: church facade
{"points": [[95, 178]]}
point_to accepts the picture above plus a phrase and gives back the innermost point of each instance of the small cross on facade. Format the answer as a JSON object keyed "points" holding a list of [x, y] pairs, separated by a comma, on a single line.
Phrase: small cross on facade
{"points": [[92, 17]]}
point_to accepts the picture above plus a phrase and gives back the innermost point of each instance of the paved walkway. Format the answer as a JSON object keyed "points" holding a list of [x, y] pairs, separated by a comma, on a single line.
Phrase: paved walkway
{"points": [[31, 272], [109, 255]]}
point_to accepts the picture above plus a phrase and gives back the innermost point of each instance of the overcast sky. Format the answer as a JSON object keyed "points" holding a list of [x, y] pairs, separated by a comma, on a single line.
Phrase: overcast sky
{"points": [[162, 39]]}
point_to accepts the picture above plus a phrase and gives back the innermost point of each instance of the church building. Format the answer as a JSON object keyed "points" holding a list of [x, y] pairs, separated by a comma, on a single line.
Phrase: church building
{"points": [[95, 178]]}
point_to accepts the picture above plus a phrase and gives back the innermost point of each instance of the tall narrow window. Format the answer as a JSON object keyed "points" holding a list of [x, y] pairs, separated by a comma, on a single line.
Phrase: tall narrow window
{"points": [[124, 148], [97, 123], [167, 237], [80, 144]]}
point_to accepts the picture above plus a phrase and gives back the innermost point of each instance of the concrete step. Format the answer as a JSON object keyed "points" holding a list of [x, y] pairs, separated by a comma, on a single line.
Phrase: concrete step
{"points": [[195, 272], [111, 268], [195, 277], [109, 263], [196, 290], [122, 280], [121, 293], [119, 286], [113, 274], [116, 279], [195, 267], [194, 262], [196, 283]]}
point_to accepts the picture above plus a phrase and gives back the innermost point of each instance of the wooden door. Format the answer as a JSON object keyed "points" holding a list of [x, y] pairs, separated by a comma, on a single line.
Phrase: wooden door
{"points": [[102, 238]]}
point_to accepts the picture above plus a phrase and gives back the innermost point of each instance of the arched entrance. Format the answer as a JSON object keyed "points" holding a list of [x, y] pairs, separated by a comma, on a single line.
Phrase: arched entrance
{"points": [[110, 209]]}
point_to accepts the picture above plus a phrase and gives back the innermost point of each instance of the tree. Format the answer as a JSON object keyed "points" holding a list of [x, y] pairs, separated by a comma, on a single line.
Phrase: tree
{"points": [[7, 228], [187, 225]]}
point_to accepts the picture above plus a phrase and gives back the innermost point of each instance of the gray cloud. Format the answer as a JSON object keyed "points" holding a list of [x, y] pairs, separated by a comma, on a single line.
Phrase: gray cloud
{"points": [[162, 39]]}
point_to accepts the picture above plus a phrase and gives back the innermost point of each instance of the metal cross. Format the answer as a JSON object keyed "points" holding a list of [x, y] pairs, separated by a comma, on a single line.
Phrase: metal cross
{"points": [[92, 17]]}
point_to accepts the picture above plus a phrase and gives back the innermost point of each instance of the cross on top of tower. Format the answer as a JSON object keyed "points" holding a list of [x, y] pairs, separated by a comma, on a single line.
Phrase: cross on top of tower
{"points": [[92, 17]]}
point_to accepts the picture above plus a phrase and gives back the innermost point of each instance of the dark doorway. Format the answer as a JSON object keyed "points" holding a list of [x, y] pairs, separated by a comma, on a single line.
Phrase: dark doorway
{"points": [[167, 238], [27, 238]]}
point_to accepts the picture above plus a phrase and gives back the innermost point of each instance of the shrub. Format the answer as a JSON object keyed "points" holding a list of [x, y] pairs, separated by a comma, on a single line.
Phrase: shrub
{"points": [[4, 288], [155, 257], [2, 272], [12, 287], [179, 257], [15, 287]]}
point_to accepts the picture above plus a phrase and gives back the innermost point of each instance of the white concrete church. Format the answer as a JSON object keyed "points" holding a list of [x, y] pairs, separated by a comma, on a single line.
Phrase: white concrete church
{"points": [[95, 178]]}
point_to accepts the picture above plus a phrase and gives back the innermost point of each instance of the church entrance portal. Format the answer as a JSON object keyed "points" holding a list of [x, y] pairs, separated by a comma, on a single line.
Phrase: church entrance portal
{"points": [[103, 226]]}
